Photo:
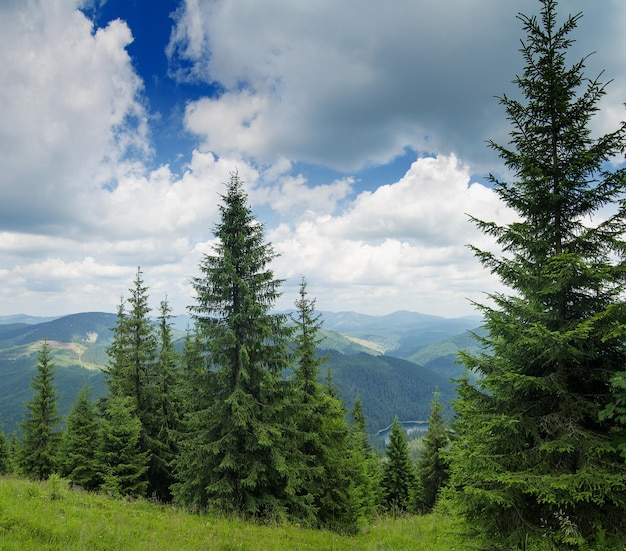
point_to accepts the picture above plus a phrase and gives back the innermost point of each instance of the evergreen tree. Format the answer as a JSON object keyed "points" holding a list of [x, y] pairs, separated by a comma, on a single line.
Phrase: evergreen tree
{"points": [[41, 437], [121, 462], [366, 464], [196, 391], [77, 451], [165, 411], [320, 429], [398, 477], [432, 468], [143, 369], [6, 464], [142, 349], [116, 369], [533, 455], [237, 431]]}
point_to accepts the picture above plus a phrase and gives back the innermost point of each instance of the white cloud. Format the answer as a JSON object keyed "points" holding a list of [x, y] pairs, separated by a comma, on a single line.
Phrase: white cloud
{"points": [[69, 106], [353, 83], [403, 246], [343, 85]]}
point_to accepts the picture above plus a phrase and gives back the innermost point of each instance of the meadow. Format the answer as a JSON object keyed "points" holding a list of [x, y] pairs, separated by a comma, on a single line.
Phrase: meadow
{"points": [[47, 516]]}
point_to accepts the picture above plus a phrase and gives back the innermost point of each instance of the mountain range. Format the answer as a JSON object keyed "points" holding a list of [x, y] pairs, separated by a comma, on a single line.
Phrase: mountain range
{"points": [[393, 362]]}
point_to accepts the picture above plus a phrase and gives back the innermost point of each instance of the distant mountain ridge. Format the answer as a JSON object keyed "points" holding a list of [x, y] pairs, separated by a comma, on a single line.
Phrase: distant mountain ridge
{"points": [[374, 356]]}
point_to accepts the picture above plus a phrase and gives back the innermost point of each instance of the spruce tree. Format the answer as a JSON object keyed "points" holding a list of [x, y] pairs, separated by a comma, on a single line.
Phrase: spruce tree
{"points": [[398, 473], [78, 447], [366, 464], [40, 428], [196, 393], [237, 431], [142, 367], [432, 469], [320, 428], [533, 456], [121, 462], [6, 463], [164, 410]]}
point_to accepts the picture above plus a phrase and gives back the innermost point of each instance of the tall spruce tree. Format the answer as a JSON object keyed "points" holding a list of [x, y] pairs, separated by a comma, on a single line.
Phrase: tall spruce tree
{"points": [[432, 469], [533, 456], [235, 438], [320, 428], [398, 476], [37, 454], [79, 443]]}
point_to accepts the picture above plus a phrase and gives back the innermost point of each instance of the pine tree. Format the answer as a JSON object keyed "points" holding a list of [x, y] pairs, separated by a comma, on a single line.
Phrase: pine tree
{"points": [[320, 429], [236, 433], [533, 455], [398, 477], [41, 436], [121, 462], [78, 447], [432, 468]]}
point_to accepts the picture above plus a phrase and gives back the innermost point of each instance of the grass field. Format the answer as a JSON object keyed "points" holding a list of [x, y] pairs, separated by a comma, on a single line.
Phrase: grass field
{"points": [[50, 516]]}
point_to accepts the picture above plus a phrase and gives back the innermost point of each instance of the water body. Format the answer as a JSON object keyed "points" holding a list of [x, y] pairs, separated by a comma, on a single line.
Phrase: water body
{"points": [[409, 427]]}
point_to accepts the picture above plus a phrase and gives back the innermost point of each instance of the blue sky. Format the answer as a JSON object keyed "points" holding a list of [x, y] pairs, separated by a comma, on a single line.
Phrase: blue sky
{"points": [[359, 128]]}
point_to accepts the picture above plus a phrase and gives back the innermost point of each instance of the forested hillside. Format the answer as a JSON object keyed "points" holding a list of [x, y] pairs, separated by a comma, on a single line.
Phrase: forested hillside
{"points": [[387, 385]]}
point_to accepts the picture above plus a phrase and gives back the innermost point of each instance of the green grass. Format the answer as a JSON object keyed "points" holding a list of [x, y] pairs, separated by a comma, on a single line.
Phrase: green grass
{"points": [[50, 516]]}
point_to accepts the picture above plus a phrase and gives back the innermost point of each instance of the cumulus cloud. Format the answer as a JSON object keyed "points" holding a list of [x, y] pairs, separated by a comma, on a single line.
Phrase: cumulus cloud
{"points": [[84, 199], [404, 244], [69, 107], [351, 84]]}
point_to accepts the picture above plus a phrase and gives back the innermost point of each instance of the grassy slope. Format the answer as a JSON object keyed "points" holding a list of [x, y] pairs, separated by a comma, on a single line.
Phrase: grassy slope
{"points": [[49, 516]]}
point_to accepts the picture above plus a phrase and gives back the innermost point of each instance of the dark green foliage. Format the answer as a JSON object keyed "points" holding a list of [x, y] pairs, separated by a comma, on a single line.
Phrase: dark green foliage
{"points": [[321, 430], [121, 462], [79, 443], [387, 386], [398, 473], [196, 388], [6, 463], [533, 455], [132, 354], [41, 437], [142, 366], [234, 436], [432, 468], [164, 410], [366, 464]]}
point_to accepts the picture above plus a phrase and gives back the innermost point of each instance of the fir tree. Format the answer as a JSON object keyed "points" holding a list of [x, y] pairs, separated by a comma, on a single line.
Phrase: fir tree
{"points": [[196, 394], [366, 464], [533, 455], [41, 436], [6, 463], [77, 451], [432, 468], [398, 476], [237, 431], [321, 428], [143, 369], [165, 410], [121, 462]]}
